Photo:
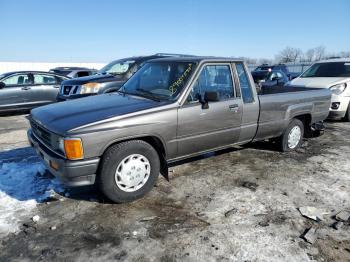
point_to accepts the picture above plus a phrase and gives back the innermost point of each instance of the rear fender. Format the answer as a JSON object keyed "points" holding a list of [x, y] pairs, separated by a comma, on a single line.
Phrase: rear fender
{"points": [[294, 111]]}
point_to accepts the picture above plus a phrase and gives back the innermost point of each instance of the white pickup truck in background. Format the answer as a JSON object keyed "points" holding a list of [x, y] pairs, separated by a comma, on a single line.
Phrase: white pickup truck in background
{"points": [[335, 75]]}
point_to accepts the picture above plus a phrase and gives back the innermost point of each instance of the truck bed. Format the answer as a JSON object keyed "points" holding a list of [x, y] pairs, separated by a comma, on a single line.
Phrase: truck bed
{"points": [[280, 104], [283, 89]]}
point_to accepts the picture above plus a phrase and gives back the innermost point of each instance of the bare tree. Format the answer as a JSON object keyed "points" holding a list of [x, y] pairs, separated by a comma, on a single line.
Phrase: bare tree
{"points": [[289, 55], [344, 54], [320, 53], [309, 55], [265, 61], [248, 60], [292, 55]]}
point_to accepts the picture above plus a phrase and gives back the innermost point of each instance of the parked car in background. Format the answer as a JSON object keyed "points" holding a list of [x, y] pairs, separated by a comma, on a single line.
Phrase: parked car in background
{"points": [[110, 78], [74, 72], [279, 67], [333, 75], [270, 78], [27, 89], [171, 109]]}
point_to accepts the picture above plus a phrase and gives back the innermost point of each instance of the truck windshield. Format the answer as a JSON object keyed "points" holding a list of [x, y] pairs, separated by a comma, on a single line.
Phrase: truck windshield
{"points": [[330, 69], [159, 80], [118, 67]]}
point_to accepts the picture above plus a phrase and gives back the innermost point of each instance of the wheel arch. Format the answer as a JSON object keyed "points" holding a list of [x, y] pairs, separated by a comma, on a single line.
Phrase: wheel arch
{"points": [[155, 142], [306, 119]]}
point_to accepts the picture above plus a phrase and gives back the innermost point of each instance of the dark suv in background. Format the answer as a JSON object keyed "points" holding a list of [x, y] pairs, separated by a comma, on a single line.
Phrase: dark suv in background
{"points": [[278, 67], [74, 72], [270, 78], [108, 79]]}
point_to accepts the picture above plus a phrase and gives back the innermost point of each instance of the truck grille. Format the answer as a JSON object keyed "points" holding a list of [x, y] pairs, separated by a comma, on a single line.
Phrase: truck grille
{"points": [[67, 90], [41, 133]]}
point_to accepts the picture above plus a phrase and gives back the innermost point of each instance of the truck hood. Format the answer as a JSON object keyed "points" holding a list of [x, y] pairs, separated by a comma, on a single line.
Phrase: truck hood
{"points": [[318, 82], [99, 78], [62, 117]]}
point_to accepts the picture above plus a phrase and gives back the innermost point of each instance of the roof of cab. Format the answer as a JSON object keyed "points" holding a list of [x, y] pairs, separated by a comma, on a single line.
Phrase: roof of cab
{"points": [[198, 59], [334, 60]]}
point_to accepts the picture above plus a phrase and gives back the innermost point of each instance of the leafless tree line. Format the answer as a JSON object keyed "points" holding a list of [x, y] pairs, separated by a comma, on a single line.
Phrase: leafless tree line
{"points": [[297, 55]]}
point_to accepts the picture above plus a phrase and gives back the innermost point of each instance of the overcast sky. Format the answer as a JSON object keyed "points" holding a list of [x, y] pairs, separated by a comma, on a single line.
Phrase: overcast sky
{"points": [[101, 31]]}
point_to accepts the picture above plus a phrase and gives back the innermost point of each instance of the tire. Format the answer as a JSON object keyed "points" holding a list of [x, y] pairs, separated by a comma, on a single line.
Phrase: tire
{"points": [[125, 160], [287, 143], [346, 118]]}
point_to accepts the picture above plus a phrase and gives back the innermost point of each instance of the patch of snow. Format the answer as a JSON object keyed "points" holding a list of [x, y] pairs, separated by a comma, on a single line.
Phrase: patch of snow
{"points": [[22, 185], [36, 218]]}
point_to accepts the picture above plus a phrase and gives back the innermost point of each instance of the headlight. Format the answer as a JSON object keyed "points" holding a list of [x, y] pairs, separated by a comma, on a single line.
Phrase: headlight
{"points": [[90, 88], [338, 89], [71, 147]]}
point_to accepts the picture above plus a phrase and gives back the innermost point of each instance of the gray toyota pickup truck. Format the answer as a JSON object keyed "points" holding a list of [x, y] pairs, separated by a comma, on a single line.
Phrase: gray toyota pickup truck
{"points": [[170, 109]]}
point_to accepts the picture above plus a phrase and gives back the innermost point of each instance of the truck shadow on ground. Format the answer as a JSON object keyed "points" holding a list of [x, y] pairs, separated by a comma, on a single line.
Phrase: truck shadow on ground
{"points": [[263, 145], [205, 156], [24, 177]]}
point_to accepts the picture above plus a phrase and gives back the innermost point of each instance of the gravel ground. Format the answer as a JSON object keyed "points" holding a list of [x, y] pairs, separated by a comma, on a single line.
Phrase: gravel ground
{"points": [[234, 205]]}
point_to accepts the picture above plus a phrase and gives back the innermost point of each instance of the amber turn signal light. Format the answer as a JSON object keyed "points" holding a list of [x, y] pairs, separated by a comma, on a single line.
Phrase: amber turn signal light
{"points": [[73, 148]]}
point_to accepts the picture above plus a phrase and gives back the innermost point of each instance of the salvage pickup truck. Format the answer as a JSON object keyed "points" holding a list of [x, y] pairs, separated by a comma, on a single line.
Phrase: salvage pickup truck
{"points": [[170, 109]]}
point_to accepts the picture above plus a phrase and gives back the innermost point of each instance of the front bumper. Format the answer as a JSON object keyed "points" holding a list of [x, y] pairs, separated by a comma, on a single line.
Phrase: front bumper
{"points": [[339, 106], [71, 173]]}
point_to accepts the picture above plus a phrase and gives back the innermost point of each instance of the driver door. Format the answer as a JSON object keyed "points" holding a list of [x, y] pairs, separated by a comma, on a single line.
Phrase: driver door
{"points": [[202, 129]]}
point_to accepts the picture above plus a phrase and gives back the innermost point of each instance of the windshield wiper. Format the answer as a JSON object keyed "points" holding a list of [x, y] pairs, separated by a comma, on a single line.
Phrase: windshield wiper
{"points": [[148, 94], [145, 94]]}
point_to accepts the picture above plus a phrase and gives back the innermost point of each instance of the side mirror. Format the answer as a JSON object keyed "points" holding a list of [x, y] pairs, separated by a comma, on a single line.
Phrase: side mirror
{"points": [[209, 96], [2, 85], [275, 78]]}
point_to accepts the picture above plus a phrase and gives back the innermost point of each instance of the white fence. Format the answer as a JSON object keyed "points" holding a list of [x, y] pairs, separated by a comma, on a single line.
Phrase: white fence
{"points": [[42, 66]]}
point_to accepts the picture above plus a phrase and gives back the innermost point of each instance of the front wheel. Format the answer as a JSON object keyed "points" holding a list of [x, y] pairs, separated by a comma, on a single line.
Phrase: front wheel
{"points": [[128, 171], [292, 137]]}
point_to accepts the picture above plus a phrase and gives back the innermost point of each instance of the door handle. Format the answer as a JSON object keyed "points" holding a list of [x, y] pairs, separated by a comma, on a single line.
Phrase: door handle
{"points": [[234, 108], [25, 88]]}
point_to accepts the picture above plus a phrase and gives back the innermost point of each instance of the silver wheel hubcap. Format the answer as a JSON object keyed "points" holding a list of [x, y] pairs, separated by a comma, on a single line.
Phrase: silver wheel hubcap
{"points": [[294, 137], [132, 173]]}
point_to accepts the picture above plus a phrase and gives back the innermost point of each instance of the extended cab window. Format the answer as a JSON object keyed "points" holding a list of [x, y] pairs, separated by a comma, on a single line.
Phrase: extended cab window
{"points": [[215, 78], [244, 82], [22, 79]]}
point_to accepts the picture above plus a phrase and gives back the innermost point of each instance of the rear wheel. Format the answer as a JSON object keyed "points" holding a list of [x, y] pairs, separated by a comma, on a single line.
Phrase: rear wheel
{"points": [[347, 114], [128, 171], [292, 137]]}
